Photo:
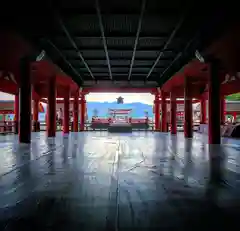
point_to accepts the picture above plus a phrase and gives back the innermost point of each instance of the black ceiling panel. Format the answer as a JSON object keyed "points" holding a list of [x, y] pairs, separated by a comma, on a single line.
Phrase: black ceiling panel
{"points": [[90, 42]]}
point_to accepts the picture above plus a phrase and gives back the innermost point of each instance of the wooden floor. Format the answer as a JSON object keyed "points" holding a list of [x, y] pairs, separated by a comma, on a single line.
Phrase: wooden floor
{"points": [[100, 181]]}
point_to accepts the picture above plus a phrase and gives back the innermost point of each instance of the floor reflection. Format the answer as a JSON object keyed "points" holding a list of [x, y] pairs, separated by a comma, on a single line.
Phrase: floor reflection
{"points": [[23, 158], [95, 181], [188, 163], [216, 162], [65, 151], [172, 158]]}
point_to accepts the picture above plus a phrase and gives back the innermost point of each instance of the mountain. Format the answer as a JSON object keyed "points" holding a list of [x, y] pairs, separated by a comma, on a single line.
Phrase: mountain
{"points": [[138, 109]]}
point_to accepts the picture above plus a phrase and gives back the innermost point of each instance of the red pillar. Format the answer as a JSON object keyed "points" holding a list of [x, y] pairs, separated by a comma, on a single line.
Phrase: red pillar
{"points": [[157, 111], [83, 108], [164, 112], [173, 114], [35, 115], [25, 101], [188, 120], [214, 131], [16, 113], [51, 110], [234, 117], [76, 112], [222, 109], [66, 119], [203, 111]]}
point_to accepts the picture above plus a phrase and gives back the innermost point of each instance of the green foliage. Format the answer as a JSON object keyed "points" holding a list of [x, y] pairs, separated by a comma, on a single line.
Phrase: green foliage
{"points": [[234, 97]]}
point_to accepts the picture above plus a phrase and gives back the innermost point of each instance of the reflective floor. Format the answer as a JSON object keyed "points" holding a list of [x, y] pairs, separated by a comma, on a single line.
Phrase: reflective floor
{"points": [[100, 181]]}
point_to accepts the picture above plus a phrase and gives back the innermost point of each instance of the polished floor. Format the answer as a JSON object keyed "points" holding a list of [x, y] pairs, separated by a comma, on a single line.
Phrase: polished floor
{"points": [[100, 181]]}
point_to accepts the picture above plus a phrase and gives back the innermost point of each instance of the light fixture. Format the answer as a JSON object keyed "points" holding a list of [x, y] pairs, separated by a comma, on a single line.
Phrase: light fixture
{"points": [[41, 56], [199, 56]]}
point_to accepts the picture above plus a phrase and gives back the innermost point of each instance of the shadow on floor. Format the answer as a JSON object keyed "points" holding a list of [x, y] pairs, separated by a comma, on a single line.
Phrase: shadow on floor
{"points": [[99, 182]]}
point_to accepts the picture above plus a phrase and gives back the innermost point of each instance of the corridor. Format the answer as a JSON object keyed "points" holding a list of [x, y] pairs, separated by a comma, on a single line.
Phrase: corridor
{"points": [[100, 181]]}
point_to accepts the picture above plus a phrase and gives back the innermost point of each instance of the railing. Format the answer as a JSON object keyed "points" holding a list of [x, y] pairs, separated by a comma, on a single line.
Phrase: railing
{"points": [[7, 127], [104, 126]]}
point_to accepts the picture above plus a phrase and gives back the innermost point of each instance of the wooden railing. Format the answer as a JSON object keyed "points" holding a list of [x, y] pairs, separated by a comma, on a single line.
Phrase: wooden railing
{"points": [[7, 127]]}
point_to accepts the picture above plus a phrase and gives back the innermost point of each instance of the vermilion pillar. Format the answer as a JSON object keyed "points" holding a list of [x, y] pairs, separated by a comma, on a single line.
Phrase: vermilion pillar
{"points": [[76, 112], [157, 111], [83, 108], [25, 101], [173, 113], [188, 120], [66, 118], [214, 131], [35, 115], [222, 109], [16, 113], [51, 110], [163, 112], [234, 117], [203, 111]]}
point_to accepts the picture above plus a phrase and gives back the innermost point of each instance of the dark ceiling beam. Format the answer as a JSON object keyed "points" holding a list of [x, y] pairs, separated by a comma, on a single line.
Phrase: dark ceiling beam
{"points": [[74, 46], [159, 13], [171, 37], [65, 60], [124, 59], [103, 38], [119, 71], [117, 48], [116, 35], [120, 66], [119, 74], [137, 38], [190, 47]]}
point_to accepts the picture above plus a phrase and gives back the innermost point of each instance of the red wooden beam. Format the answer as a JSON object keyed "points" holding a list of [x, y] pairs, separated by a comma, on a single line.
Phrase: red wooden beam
{"points": [[8, 87], [168, 100], [6, 111], [13, 48], [43, 69], [227, 48], [119, 90]]}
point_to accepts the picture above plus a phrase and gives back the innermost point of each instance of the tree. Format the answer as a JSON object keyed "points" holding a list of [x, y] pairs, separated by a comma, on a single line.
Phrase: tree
{"points": [[234, 97]]}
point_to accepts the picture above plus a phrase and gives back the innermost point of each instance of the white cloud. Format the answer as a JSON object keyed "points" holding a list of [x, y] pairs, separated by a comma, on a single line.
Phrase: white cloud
{"points": [[128, 97], [5, 96], [105, 97]]}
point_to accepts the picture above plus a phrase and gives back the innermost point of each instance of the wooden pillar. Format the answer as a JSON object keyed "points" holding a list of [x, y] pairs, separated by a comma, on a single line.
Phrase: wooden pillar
{"points": [[35, 115], [214, 131], [234, 117], [188, 119], [75, 112], [16, 113], [163, 112], [222, 109], [173, 112], [51, 110], [83, 111], [157, 112], [66, 119], [25, 94], [203, 111]]}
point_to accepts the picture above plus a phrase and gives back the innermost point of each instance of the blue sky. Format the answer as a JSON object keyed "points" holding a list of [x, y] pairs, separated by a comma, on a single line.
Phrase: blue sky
{"points": [[106, 97]]}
